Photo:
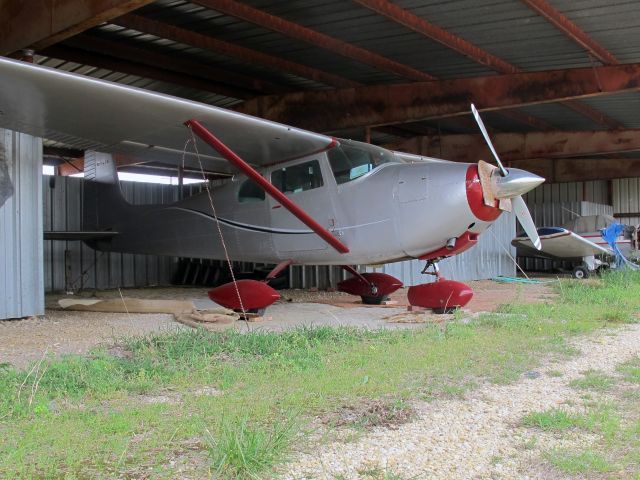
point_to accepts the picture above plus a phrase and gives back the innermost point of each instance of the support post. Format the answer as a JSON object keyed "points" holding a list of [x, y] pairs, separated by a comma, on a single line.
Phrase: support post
{"points": [[248, 170]]}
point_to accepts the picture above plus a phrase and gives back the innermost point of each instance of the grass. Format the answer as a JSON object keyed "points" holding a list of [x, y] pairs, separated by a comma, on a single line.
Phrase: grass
{"points": [[579, 462], [593, 380], [96, 417]]}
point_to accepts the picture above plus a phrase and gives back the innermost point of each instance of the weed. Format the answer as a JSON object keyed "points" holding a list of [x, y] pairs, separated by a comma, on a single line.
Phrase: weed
{"points": [[631, 370], [593, 380], [243, 449], [579, 462], [550, 420]]}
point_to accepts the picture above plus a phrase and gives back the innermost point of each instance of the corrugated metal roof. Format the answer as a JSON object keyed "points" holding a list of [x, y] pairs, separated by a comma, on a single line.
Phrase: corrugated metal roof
{"points": [[505, 28]]}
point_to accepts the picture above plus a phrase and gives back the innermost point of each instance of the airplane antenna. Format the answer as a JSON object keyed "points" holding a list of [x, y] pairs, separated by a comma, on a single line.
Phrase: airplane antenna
{"points": [[215, 215]]}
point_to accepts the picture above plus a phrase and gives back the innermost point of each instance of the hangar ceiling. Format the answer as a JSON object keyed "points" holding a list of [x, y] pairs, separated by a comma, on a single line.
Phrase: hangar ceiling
{"points": [[401, 73]]}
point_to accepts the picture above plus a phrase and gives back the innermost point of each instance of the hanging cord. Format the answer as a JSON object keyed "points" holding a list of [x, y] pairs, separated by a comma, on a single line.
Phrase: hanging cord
{"points": [[215, 215], [508, 253]]}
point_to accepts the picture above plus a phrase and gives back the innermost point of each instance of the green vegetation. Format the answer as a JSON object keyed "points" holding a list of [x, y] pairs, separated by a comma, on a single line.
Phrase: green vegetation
{"points": [[580, 462], [605, 429], [593, 380], [233, 405]]}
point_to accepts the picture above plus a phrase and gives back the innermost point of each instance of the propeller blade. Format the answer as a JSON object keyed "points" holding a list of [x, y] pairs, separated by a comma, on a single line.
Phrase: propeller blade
{"points": [[485, 134], [524, 217]]}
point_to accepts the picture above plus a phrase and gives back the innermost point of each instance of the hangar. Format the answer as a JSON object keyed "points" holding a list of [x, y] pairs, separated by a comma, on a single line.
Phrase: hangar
{"points": [[556, 83]]}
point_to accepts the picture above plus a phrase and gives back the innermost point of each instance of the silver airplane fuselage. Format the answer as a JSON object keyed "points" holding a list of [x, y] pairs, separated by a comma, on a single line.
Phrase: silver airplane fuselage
{"points": [[394, 211]]}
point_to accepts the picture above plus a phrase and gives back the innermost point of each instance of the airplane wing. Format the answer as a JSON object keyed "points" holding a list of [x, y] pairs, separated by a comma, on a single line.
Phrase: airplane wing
{"points": [[87, 113], [558, 243]]}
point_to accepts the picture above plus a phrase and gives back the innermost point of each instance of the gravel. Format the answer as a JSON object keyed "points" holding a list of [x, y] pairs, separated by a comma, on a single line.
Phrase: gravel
{"points": [[476, 437]]}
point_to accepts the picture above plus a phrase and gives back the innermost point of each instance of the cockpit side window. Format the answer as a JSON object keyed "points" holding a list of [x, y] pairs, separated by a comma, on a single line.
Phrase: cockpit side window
{"points": [[250, 192], [350, 161], [298, 178]]}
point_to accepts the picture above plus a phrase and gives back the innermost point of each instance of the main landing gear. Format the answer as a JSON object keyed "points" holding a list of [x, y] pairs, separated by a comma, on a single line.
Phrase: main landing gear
{"points": [[442, 296], [373, 288], [249, 296]]}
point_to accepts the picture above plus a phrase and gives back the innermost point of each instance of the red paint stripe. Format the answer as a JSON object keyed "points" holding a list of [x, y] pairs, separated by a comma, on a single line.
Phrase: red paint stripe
{"points": [[248, 170]]}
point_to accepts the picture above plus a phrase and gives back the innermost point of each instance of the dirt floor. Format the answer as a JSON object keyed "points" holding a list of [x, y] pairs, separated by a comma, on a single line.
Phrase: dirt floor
{"points": [[66, 332]]}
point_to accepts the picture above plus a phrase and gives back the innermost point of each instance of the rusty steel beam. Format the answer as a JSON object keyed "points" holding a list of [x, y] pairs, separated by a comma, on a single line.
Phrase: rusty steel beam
{"points": [[313, 37], [571, 30], [477, 54], [400, 103], [530, 120], [40, 23], [246, 85], [522, 146], [165, 30], [75, 55], [420, 25]]}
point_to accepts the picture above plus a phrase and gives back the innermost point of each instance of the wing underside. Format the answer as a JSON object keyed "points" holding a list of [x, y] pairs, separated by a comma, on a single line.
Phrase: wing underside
{"points": [[562, 244], [94, 114]]}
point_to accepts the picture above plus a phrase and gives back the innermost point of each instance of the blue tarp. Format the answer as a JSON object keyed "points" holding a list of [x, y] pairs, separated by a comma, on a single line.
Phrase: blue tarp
{"points": [[610, 235]]}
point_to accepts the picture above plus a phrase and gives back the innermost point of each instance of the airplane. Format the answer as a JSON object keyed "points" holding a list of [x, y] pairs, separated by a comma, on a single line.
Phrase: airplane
{"points": [[595, 242], [299, 197]]}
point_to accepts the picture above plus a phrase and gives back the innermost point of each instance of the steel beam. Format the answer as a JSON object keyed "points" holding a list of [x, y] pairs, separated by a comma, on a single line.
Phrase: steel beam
{"points": [[477, 54], [571, 30], [420, 25], [521, 146], [40, 23], [165, 30], [313, 37], [389, 104]]}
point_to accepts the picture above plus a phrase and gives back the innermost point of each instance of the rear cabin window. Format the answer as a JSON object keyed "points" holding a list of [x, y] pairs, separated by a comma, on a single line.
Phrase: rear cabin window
{"points": [[298, 178], [351, 160], [250, 192]]}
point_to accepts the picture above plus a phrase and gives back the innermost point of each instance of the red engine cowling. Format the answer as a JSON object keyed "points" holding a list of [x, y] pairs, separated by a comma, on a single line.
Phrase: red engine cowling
{"points": [[254, 294], [384, 283], [441, 295]]}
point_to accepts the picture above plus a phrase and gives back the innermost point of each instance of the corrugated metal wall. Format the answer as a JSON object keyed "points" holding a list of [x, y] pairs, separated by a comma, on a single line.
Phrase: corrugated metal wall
{"points": [[595, 191], [626, 200], [492, 256], [74, 266], [21, 276]]}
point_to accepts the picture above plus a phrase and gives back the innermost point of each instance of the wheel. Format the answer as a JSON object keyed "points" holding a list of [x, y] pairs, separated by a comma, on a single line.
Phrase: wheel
{"points": [[580, 272], [368, 300]]}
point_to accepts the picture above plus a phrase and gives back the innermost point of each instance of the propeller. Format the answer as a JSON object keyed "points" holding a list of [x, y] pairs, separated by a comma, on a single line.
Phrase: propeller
{"points": [[517, 202]]}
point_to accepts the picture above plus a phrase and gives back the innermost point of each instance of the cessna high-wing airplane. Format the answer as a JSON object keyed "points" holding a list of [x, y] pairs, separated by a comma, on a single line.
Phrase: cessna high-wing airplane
{"points": [[301, 197]]}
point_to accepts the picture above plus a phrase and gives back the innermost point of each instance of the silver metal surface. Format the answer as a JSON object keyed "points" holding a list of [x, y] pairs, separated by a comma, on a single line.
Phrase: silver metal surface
{"points": [[21, 276], [515, 183], [42, 101]]}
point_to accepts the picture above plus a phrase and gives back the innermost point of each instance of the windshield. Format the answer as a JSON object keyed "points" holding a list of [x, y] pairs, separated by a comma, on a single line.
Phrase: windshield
{"points": [[350, 160]]}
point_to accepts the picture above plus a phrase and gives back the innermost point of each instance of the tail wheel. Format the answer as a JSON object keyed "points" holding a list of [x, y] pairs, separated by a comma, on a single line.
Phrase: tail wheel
{"points": [[580, 272]]}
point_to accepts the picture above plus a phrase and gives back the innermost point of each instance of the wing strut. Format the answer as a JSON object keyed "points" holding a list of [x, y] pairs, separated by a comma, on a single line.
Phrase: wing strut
{"points": [[248, 170]]}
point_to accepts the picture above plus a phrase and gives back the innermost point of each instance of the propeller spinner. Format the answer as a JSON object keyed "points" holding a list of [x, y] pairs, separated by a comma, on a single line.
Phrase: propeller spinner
{"points": [[510, 184]]}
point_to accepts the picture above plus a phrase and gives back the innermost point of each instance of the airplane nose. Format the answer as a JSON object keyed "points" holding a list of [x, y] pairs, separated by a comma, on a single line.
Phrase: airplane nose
{"points": [[517, 182]]}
